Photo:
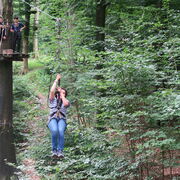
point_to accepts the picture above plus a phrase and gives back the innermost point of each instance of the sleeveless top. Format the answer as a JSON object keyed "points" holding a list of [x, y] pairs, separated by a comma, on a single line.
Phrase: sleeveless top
{"points": [[57, 109]]}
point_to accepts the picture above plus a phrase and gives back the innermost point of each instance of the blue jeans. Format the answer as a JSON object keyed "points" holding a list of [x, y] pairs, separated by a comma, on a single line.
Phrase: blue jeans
{"points": [[57, 128]]}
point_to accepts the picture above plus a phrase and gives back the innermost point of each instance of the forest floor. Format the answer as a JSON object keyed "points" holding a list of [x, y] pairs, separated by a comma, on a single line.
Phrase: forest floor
{"points": [[37, 133]]}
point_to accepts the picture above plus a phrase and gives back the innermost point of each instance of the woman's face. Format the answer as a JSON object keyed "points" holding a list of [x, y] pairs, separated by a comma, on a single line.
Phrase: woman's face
{"points": [[62, 91], [16, 20]]}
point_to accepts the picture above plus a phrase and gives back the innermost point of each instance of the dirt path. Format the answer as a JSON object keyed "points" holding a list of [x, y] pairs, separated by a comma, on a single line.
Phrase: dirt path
{"points": [[29, 164]]}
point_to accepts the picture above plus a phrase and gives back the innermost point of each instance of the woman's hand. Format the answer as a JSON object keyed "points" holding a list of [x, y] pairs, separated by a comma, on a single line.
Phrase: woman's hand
{"points": [[58, 77]]}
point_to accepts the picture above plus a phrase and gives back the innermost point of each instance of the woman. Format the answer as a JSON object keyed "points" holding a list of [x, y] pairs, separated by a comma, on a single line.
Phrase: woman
{"points": [[16, 29], [58, 105]]}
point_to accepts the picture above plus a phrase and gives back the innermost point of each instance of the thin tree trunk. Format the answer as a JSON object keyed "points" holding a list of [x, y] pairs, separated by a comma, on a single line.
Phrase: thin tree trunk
{"points": [[70, 50], [100, 39], [6, 12], [36, 25], [100, 23], [78, 114], [163, 168], [26, 36]]}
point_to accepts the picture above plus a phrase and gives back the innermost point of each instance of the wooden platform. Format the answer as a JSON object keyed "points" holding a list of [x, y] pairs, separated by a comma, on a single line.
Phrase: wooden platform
{"points": [[13, 57]]}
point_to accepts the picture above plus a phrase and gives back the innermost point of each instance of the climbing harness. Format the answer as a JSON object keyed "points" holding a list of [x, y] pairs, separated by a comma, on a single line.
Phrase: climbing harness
{"points": [[58, 107]]}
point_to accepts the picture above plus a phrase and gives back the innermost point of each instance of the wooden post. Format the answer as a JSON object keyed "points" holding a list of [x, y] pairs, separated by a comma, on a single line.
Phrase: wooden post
{"points": [[7, 149]]}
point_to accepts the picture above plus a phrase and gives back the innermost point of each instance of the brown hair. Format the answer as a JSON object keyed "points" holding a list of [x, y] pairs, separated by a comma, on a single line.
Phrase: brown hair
{"points": [[66, 93], [16, 17], [57, 92]]}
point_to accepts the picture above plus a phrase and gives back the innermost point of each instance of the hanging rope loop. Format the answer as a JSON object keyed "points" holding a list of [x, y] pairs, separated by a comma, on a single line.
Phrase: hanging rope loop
{"points": [[57, 57], [2, 32]]}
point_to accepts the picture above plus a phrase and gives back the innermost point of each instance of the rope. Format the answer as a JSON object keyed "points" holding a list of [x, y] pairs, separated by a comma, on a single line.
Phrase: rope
{"points": [[53, 17], [1, 38], [57, 57]]}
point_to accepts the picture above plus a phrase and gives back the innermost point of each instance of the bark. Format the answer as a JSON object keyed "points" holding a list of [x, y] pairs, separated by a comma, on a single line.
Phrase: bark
{"points": [[100, 46], [5, 92], [70, 51], [6, 12], [26, 36], [7, 149], [100, 23], [36, 25], [1, 7]]}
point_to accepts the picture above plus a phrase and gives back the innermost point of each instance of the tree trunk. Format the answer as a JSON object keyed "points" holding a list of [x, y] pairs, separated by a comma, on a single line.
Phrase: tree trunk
{"points": [[36, 26], [6, 12], [7, 149], [26, 36], [100, 23], [70, 51], [100, 46]]}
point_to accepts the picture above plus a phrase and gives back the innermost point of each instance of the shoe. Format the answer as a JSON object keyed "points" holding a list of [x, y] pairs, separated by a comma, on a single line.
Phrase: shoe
{"points": [[54, 153], [60, 154]]}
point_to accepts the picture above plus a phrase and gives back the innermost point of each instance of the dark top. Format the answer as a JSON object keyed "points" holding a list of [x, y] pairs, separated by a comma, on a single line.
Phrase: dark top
{"points": [[17, 27]]}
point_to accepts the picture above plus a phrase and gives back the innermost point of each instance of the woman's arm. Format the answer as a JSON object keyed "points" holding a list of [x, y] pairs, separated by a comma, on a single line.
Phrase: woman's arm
{"points": [[53, 88], [64, 100], [12, 28], [23, 27]]}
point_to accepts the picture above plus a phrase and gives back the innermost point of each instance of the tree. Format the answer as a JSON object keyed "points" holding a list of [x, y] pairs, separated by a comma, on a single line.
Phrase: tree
{"points": [[100, 24], [100, 47], [36, 26], [7, 149], [26, 35]]}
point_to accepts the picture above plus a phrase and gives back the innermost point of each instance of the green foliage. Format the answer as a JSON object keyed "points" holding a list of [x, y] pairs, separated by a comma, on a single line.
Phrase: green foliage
{"points": [[86, 156], [20, 109], [137, 96]]}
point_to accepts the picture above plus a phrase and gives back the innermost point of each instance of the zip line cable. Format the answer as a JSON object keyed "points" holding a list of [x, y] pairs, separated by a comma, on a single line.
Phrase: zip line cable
{"points": [[57, 56], [57, 26], [53, 17], [38, 9]]}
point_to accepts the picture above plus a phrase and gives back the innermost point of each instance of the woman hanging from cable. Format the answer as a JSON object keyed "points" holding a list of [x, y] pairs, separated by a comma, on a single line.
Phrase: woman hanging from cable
{"points": [[58, 105]]}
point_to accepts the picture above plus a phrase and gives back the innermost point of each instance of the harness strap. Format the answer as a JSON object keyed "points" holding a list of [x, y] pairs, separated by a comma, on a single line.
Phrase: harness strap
{"points": [[51, 115], [59, 104]]}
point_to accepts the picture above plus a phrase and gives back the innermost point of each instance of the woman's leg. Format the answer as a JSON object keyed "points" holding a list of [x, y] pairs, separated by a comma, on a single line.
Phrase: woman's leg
{"points": [[53, 126], [61, 128]]}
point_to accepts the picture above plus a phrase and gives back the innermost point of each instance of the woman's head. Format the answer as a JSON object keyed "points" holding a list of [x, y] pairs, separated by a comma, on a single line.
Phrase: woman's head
{"points": [[16, 19], [61, 90]]}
